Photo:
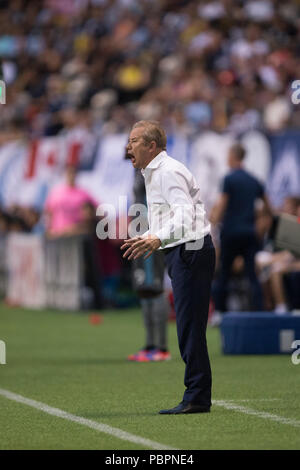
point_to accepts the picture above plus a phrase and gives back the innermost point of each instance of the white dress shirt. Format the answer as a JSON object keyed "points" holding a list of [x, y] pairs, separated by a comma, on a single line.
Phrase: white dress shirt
{"points": [[176, 212]]}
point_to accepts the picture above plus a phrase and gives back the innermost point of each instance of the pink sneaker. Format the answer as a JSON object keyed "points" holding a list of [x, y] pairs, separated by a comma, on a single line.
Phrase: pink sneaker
{"points": [[141, 356], [158, 355]]}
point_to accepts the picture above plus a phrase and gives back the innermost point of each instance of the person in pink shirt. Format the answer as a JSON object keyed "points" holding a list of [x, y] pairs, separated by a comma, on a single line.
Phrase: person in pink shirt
{"points": [[64, 206]]}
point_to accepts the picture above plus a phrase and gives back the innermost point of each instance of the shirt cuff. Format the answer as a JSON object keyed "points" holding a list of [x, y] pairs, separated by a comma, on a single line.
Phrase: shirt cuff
{"points": [[164, 236]]}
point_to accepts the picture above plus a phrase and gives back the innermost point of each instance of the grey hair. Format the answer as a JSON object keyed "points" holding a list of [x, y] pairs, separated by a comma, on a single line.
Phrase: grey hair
{"points": [[153, 132]]}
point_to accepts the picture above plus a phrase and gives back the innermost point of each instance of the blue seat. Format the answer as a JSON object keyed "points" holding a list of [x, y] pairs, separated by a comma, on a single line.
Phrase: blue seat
{"points": [[259, 333]]}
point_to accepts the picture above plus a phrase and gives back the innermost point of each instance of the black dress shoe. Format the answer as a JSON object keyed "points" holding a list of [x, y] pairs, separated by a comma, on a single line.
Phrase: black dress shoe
{"points": [[185, 408]]}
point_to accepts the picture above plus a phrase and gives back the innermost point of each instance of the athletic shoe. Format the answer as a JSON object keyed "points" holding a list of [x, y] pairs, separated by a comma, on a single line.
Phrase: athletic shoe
{"points": [[140, 356], [158, 355]]}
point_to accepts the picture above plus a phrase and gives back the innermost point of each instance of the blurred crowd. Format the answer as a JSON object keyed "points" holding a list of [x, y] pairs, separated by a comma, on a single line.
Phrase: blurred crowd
{"points": [[101, 65], [222, 64], [278, 270], [70, 211]]}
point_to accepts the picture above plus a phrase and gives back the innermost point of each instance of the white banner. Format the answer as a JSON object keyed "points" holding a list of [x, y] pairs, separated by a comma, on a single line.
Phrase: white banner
{"points": [[26, 267], [258, 155], [63, 273], [113, 174], [209, 164], [44, 273], [12, 168], [29, 170]]}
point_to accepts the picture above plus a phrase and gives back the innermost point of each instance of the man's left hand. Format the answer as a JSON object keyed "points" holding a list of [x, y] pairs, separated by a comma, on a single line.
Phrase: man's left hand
{"points": [[137, 246]]}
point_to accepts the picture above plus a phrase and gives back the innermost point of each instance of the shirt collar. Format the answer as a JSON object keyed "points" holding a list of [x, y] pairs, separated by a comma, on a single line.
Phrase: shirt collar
{"points": [[155, 163]]}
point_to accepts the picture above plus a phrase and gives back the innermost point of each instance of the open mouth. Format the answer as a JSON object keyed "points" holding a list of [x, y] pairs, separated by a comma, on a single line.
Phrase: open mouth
{"points": [[132, 157], [129, 156]]}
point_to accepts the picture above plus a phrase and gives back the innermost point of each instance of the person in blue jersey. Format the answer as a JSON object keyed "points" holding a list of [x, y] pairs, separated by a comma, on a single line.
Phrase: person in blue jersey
{"points": [[235, 210], [179, 227]]}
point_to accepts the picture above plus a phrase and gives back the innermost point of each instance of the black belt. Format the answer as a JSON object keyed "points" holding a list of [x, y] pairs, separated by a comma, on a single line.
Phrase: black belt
{"points": [[168, 250]]}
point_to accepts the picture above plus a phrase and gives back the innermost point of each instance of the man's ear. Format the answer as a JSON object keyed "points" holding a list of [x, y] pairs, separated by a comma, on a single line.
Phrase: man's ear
{"points": [[153, 146]]}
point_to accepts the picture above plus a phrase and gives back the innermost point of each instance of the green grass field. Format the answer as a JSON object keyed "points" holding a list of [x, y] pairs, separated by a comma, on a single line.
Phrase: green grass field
{"points": [[62, 360]]}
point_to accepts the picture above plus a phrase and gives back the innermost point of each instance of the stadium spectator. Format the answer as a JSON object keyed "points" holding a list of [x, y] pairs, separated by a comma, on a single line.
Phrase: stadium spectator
{"points": [[4, 223], [102, 259], [280, 270], [70, 210], [76, 67], [33, 219], [21, 219], [64, 206], [236, 210], [238, 56], [17, 225], [92, 275]]}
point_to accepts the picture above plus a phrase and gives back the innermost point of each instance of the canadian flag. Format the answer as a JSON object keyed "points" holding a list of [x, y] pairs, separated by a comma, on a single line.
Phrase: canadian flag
{"points": [[74, 151], [48, 157], [43, 158]]}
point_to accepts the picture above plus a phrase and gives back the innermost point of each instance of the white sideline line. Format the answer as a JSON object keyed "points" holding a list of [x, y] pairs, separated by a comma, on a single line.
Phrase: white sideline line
{"points": [[118, 433], [252, 399], [261, 414], [115, 432]]}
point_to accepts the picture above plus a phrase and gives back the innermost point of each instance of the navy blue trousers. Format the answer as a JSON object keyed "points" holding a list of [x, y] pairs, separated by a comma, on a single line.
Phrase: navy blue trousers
{"points": [[231, 247], [191, 273]]}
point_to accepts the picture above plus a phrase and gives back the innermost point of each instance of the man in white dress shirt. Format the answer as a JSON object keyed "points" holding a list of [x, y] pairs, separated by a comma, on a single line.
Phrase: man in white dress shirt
{"points": [[178, 226]]}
